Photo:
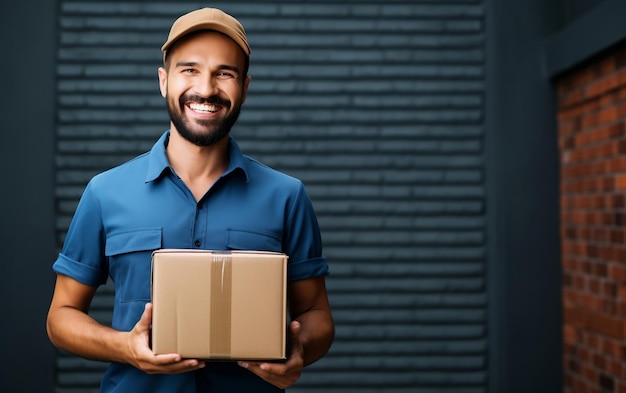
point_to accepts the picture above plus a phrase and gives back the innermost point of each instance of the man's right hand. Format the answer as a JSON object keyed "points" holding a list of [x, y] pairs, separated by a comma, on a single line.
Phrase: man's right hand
{"points": [[71, 328], [142, 357]]}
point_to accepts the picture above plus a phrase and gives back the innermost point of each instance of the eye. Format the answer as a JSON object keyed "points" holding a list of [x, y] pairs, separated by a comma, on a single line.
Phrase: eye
{"points": [[225, 75], [188, 71]]}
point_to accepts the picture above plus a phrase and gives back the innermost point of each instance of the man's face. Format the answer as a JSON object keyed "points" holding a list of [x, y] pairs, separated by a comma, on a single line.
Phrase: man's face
{"points": [[204, 86]]}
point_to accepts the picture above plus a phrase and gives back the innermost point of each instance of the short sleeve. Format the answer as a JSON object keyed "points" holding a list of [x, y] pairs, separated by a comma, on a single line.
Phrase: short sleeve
{"points": [[82, 256], [303, 242]]}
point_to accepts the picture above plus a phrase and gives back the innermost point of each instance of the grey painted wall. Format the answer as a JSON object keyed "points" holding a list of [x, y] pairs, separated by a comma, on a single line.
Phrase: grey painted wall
{"points": [[379, 109]]}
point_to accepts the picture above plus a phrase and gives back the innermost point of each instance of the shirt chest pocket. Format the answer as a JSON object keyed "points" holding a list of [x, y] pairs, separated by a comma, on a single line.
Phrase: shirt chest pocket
{"points": [[130, 259], [250, 240]]}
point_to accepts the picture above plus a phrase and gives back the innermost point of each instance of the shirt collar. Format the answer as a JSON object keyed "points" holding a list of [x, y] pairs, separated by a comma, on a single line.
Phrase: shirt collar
{"points": [[158, 162]]}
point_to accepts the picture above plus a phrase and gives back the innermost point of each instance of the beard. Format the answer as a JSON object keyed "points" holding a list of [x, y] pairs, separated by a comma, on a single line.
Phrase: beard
{"points": [[214, 130]]}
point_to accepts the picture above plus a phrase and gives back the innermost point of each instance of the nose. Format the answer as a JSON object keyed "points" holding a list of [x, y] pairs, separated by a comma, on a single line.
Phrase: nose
{"points": [[206, 86]]}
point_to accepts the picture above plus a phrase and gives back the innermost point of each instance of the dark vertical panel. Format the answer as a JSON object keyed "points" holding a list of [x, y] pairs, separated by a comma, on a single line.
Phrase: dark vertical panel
{"points": [[525, 322], [26, 198]]}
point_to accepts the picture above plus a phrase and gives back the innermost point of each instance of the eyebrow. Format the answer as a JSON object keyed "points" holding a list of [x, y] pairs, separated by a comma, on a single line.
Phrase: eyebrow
{"points": [[229, 67], [220, 67], [186, 64]]}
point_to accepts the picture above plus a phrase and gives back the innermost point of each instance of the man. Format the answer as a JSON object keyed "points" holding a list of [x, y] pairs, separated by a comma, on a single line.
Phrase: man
{"points": [[194, 189]]}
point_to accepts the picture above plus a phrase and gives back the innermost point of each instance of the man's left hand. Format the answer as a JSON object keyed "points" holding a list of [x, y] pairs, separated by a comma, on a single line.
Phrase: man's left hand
{"points": [[282, 375]]}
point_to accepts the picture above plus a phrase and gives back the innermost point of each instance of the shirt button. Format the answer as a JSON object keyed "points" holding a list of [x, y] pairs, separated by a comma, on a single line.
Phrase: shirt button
{"points": [[197, 243]]}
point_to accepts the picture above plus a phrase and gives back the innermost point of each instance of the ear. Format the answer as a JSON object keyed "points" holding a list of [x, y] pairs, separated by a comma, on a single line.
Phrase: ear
{"points": [[246, 83], [163, 81]]}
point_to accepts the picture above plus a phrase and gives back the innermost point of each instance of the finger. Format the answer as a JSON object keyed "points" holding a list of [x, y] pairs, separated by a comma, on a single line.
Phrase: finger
{"points": [[167, 359], [281, 376], [255, 368], [176, 367], [293, 364]]}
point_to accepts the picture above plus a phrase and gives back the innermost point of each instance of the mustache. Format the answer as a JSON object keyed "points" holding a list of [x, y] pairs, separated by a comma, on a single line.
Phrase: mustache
{"points": [[213, 100]]}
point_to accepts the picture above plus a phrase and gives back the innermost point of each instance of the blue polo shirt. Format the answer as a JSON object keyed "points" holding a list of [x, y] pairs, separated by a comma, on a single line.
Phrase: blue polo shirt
{"points": [[131, 210]]}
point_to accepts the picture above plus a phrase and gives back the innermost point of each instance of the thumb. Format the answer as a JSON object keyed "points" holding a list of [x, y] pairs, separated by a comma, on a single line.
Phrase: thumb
{"points": [[146, 318], [295, 328]]}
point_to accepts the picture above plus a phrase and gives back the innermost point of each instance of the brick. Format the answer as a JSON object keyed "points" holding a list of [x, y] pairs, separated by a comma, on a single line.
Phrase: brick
{"points": [[615, 201], [620, 182], [610, 290], [609, 325], [570, 296], [604, 85], [621, 293], [599, 271], [617, 164], [614, 367], [576, 316], [570, 335], [617, 272], [574, 114], [571, 99], [568, 129], [590, 373], [612, 348], [599, 361], [609, 306]]}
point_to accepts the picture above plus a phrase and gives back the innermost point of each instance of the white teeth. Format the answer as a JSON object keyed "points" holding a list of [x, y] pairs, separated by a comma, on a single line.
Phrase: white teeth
{"points": [[203, 107]]}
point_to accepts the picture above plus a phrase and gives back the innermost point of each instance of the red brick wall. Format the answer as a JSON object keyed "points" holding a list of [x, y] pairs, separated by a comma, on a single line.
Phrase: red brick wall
{"points": [[592, 143]]}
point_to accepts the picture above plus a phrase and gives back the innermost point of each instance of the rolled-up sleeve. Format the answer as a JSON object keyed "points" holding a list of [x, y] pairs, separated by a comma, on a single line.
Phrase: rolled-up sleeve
{"points": [[82, 257], [303, 242]]}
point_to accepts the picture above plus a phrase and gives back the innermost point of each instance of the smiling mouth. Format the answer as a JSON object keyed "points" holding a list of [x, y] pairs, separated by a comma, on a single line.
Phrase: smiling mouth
{"points": [[204, 108]]}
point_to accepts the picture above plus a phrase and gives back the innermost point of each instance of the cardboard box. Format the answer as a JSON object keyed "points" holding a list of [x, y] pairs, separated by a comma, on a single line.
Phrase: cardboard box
{"points": [[219, 305]]}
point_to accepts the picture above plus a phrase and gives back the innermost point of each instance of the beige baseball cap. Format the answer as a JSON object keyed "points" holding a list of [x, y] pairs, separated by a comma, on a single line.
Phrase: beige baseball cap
{"points": [[207, 19]]}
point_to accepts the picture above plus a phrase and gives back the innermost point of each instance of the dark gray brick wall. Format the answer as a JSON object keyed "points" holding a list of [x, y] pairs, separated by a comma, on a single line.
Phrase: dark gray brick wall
{"points": [[378, 107]]}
